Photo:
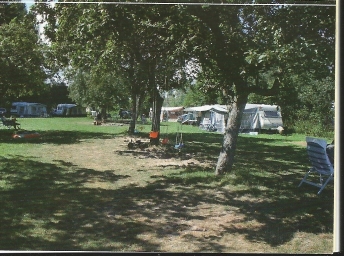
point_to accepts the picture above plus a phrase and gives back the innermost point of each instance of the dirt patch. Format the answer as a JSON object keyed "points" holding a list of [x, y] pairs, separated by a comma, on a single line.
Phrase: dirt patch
{"points": [[114, 155], [299, 143]]}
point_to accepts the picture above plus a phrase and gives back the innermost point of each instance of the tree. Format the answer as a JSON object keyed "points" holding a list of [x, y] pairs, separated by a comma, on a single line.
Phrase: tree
{"points": [[249, 50], [154, 54], [82, 44], [129, 41], [9, 11], [201, 93], [21, 57], [98, 89]]}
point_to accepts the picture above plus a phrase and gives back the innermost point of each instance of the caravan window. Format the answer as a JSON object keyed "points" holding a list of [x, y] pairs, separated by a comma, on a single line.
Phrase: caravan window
{"points": [[271, 114]]}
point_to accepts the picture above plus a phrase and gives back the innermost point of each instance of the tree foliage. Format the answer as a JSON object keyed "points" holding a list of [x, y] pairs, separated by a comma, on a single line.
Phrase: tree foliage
{"points": [[198, 94], [21, 56], [99, 90], [132, 42], [10, 11]]}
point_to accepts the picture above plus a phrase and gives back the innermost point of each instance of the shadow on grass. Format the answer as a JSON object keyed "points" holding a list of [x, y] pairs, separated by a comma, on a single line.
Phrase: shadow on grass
{"points": [[61, 207], [55, 137], [269, 176], [47, 207]]}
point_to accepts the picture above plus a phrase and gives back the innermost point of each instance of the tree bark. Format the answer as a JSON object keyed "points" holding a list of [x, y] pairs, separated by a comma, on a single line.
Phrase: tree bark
{"points": [[226, 157]]}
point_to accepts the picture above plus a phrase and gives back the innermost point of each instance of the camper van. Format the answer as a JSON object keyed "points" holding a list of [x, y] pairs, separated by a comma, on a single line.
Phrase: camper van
{"points": [[69, 110], [28, 109], [261, 117]]}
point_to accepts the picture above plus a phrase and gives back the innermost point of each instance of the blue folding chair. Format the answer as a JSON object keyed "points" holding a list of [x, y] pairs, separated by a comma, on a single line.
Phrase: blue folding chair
{"points": [[321, 165]]}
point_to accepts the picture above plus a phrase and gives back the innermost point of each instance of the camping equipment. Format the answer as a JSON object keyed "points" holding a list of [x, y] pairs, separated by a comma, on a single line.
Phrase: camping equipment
{"points": [[165, 139], [179, 140], [26, 135], [153, 135]]}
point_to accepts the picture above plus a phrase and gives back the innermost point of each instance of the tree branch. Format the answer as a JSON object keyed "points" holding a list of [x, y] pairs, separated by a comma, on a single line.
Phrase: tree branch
{"points": [[266, 91]]}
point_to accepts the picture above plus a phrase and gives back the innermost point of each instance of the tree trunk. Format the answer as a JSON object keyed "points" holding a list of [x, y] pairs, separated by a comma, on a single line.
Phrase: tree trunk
{"points": [[226, 157], [156, 109], [103, 112], [133, 115], [139, 105]]}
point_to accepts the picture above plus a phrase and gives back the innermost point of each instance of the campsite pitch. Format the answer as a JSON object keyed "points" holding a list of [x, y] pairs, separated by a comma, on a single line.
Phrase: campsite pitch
{"points": [[79, 187]]}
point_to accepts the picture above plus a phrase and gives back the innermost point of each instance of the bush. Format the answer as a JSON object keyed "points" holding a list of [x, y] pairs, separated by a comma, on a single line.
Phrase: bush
{"points": [[313, 125]]}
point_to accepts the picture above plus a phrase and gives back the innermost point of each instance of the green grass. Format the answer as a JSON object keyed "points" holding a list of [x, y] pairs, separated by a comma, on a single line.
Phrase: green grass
{"points": [[59, 205]]}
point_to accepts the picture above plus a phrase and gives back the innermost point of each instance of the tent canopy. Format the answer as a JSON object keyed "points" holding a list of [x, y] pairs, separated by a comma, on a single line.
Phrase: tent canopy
{"points": [[217, 108], [223, 108], [261, 107]]}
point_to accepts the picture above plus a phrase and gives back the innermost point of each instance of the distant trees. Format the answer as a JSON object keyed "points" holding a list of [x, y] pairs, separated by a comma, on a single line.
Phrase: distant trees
{"points": [[202, 93], [98, 89]]}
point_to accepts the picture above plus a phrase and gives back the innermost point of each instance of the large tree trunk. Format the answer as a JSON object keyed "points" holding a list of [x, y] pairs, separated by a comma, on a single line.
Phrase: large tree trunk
{"points": [[226, 157]]}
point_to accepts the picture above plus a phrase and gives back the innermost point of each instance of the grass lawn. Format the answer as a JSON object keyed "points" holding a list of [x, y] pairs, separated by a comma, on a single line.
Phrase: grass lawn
{"points": [[78, 187]]}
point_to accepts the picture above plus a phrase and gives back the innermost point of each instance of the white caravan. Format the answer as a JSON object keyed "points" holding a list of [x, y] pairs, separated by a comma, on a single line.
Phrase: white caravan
{"points": [[261, 117], [69, 110], [28, 109], [255, 117]]}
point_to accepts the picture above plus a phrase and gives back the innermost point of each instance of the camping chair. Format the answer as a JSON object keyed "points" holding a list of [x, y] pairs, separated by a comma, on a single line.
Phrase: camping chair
{"points": [[205, 123], [10, 123], [321, 165]]}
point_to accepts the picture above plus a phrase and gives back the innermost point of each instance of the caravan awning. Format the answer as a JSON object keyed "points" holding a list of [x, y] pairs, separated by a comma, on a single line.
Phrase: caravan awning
{"points": [[172, 109], [220, 109]]}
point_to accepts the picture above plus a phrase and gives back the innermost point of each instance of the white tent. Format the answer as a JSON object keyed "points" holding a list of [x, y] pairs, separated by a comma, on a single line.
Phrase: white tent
{"points": [[215, 114], [170, 113], [205, 108]]}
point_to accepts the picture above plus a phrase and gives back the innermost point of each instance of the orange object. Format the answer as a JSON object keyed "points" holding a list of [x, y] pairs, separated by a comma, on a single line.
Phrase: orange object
{"points": [[153, 135], [164, 141]]}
